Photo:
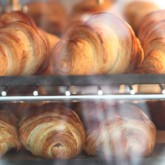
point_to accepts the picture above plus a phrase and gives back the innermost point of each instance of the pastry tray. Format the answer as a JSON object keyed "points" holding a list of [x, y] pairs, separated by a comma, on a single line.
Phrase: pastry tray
{"points": [[83, 80], [24, 157]]}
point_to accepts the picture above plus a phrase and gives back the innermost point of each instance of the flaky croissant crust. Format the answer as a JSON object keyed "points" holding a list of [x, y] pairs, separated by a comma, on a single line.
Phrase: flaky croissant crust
{"points": [[8, 132], [97, 47], [52, 132], [127, 128], [48, 39], [152, 36]]}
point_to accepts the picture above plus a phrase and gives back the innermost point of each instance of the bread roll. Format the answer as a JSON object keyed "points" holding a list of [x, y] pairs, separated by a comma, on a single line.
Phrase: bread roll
{"points": [[8, 132], [97, 47], [52, 131], [136, 10], [152, 37], [119, 130]]}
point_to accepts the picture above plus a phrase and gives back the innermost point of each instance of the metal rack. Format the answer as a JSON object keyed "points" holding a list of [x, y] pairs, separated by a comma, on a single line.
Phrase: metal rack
{"points": [[65, 85]]}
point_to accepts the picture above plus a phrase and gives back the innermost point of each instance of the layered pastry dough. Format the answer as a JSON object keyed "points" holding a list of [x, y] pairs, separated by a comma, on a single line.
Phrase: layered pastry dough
{"points": [[103, 44], [29, 43], [152, 37], [148, 22], [8, 132], [18, 16], [52, 131], [119, 130]]}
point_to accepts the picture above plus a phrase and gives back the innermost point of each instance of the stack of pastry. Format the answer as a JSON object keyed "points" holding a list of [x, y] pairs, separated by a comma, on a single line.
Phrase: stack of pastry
{"points": [[8, 132], [52, 131], [117, 130]]}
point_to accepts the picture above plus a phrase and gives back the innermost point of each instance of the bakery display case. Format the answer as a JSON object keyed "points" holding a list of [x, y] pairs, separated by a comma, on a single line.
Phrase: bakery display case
{"points": [[82, 82], [110, 88]]}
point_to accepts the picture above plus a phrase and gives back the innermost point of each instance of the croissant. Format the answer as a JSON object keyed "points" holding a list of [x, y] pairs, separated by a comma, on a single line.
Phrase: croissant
{"points": [[52, 131], [8, 132], [92, 6], [18, 16], [152, 39], [135, 16], [120, 130], [50, 16], [97, 46], [42, 44], [149, 21]]}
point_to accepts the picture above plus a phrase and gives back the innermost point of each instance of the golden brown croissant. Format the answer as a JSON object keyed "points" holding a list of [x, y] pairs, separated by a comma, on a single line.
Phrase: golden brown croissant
{"points": [[42, 42], [117, 130], [50, 16], [103, 44], [8, 132], [18, 16], [52, 131], [152, 37], [148, 22], [23, 49], [136, 10]]}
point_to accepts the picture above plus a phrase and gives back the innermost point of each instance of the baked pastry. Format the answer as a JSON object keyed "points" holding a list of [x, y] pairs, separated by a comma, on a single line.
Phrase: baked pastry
{"points": [[92, 6], [152, 39], [149, 21], [35, 58], [135, 16], [85, 9], [97, 47], [18, 16], [50, 16], [8, 132], [52, 131], [119, 130], [22, 48]]}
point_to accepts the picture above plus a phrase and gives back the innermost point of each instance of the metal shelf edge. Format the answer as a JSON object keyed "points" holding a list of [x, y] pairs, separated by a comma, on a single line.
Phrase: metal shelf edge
{"points": [[83, 97]]}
